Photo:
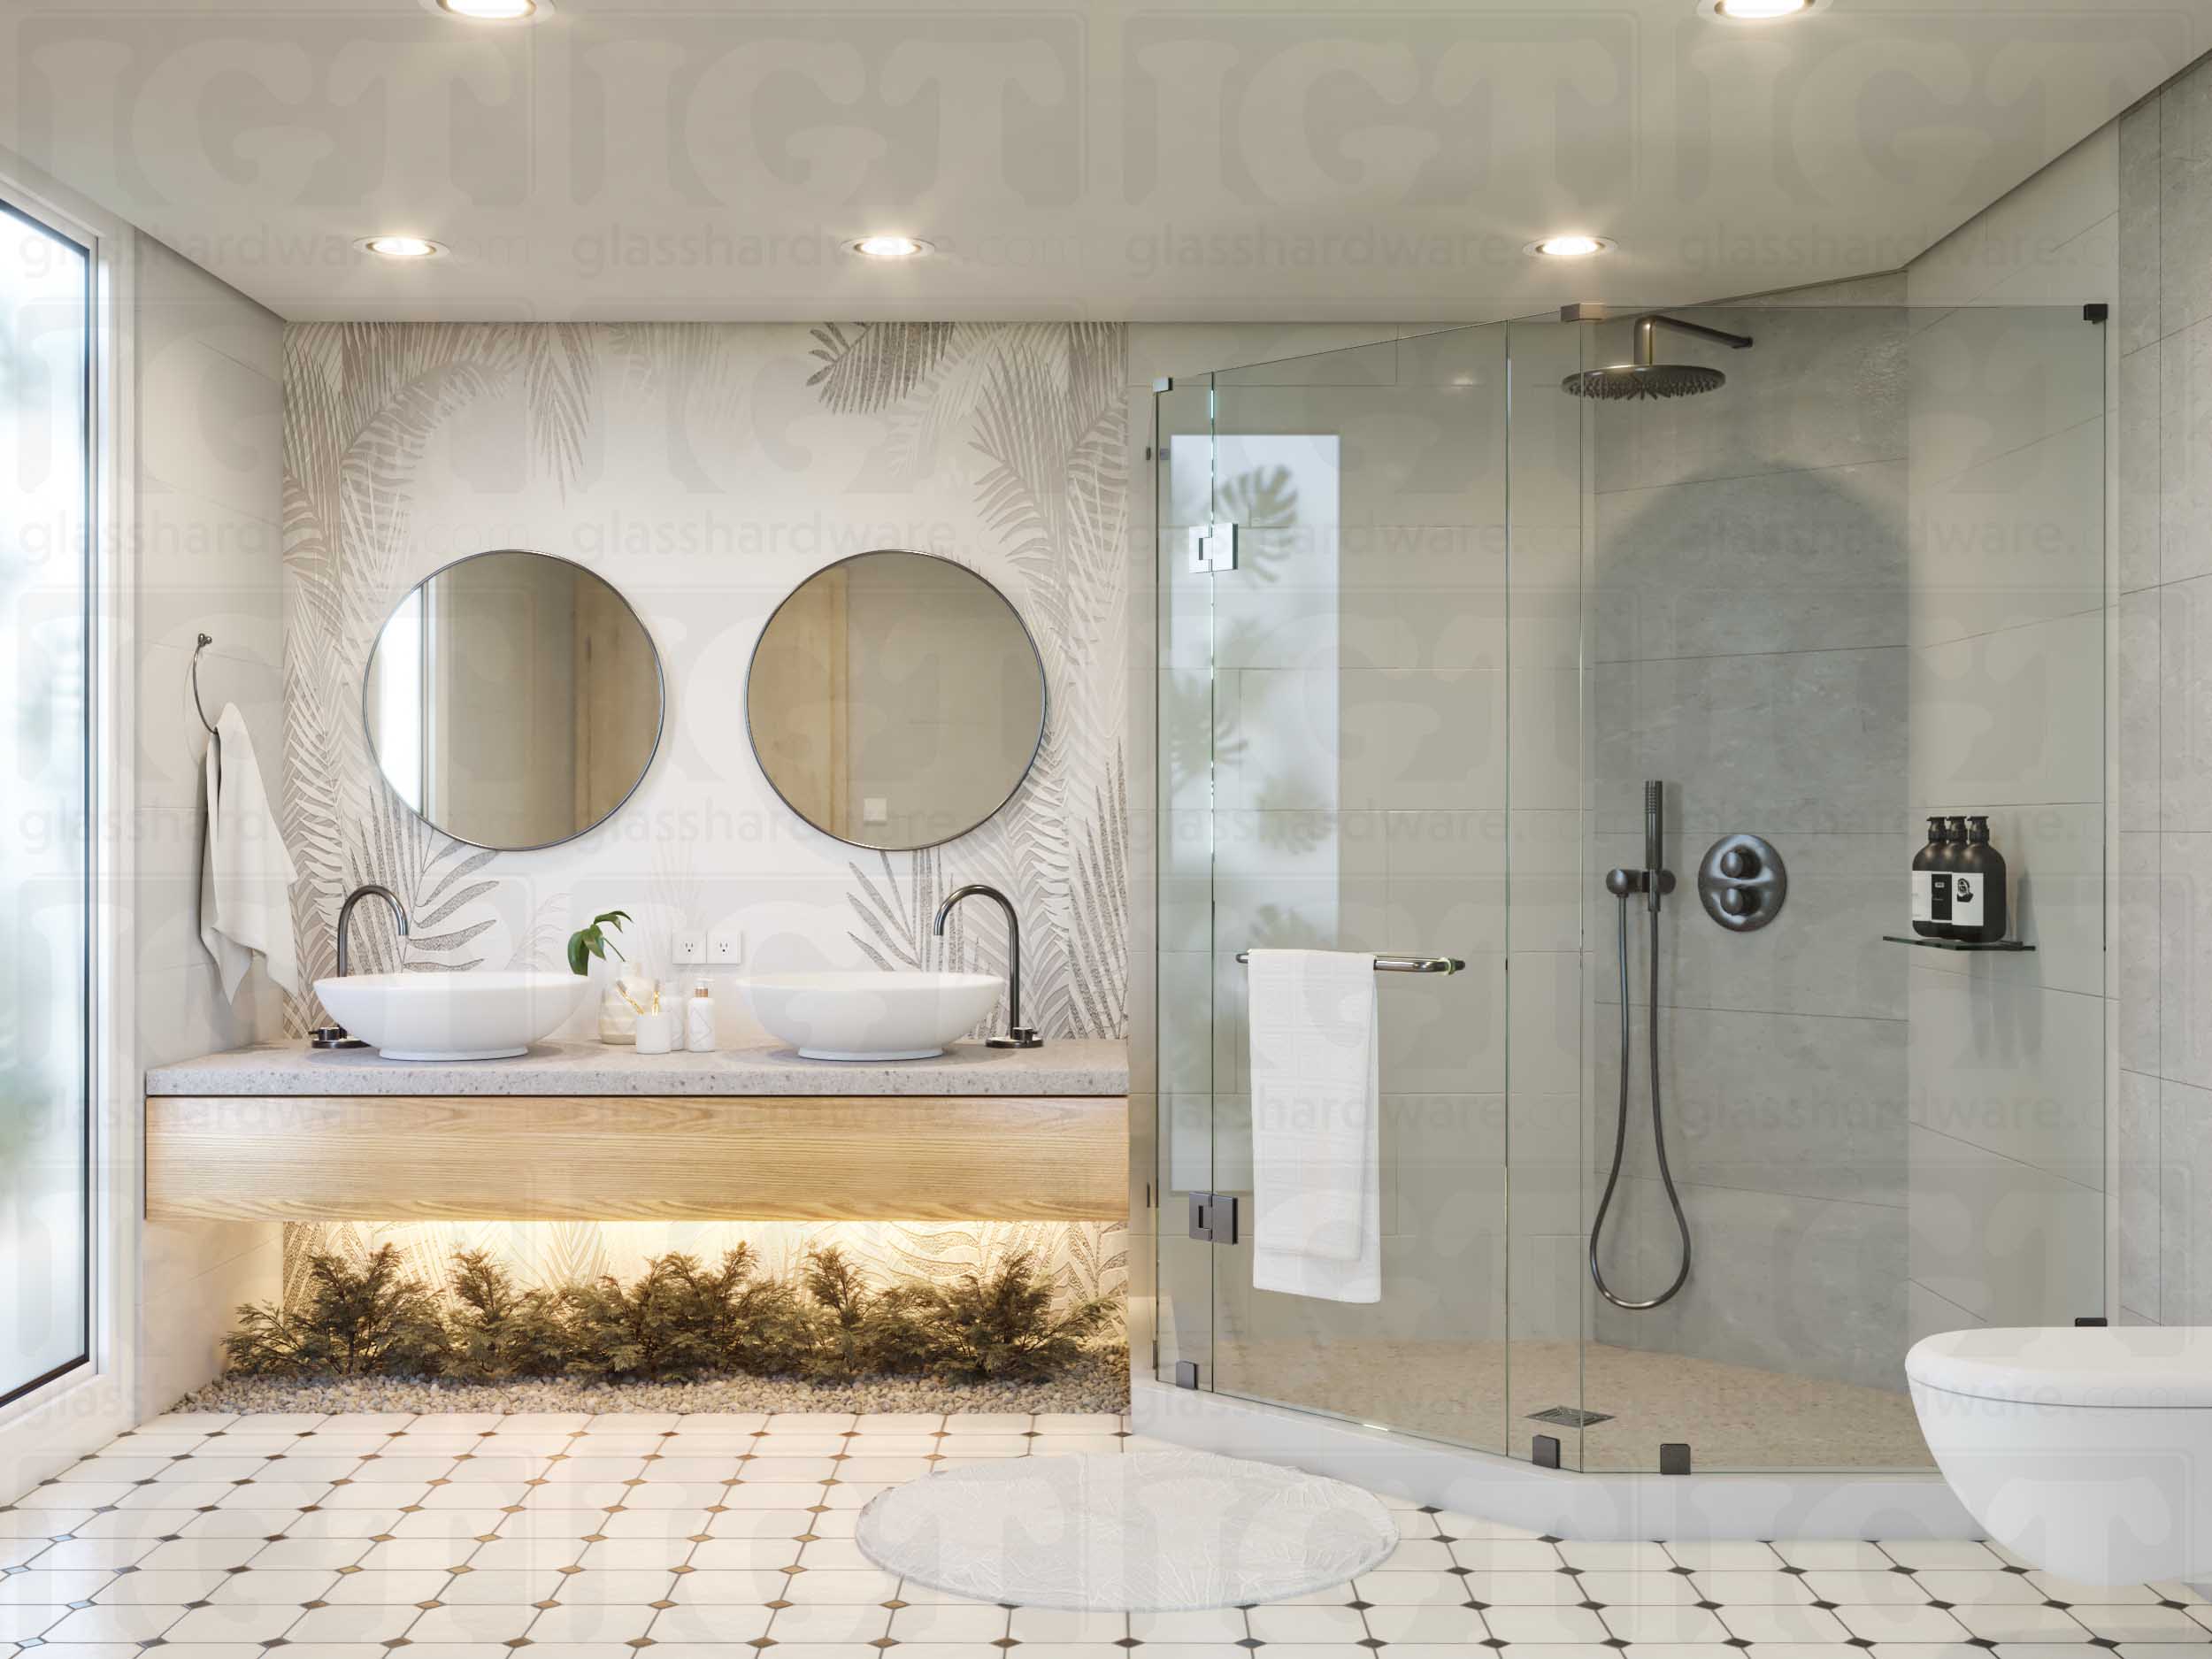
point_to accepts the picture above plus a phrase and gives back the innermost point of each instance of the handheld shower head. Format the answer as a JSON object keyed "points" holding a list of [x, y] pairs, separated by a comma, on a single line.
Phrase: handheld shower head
{"points": [[1644, 377]]}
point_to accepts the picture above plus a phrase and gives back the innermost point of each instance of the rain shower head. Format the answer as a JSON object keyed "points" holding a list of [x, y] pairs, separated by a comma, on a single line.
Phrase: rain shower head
{"points": [[1644, 378]]}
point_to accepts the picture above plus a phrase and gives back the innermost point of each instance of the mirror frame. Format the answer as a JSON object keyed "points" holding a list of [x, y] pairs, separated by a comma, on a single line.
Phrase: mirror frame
{"points": [[660, 699], [1029, 638]]}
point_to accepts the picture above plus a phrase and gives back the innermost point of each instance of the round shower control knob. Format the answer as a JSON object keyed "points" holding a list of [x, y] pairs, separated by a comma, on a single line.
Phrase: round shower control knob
{"points": [[1742, 882]]}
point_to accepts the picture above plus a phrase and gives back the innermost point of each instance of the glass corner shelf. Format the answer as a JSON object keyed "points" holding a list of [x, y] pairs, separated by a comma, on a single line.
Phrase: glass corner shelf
{"points": [[1956, 944]]}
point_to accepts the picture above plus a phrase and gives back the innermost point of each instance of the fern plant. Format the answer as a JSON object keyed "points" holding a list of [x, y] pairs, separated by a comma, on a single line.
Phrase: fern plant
{"points": [[496, 1331], [1000, 1326], [369, 1320], [650, 1330], [679, 1320]]}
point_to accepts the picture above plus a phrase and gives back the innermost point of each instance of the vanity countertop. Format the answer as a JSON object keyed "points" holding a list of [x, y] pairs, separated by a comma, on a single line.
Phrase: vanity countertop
{"points": [[1070, 1066]]}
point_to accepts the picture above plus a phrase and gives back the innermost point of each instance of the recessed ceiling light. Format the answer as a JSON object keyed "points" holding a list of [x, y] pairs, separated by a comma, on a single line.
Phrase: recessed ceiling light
{"points": [[492, 11], [1758, 11], [400, 247], [889, 247], [1568, 247]]}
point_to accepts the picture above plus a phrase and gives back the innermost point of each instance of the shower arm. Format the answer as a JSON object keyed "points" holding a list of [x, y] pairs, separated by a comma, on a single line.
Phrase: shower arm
{"points": [[1647, 328]]}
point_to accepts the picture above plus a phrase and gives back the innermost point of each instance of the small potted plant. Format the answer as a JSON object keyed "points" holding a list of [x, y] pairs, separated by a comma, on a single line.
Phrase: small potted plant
{"points": [[627, 995]]}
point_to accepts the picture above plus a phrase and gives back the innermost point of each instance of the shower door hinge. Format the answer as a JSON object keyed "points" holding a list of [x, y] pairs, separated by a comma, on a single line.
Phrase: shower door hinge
{"points": [[1674, 1457], [2096, 311], [1213, 548], [1186, 1373], [2093, 1319], [1543, 1451], [1213, 1218]]}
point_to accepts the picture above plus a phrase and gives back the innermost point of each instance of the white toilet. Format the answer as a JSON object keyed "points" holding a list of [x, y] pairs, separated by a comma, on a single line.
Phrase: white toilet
{"points": [[2087, 1451]]}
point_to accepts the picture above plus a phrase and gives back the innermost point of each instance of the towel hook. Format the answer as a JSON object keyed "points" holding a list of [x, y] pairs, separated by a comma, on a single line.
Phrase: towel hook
{"points": [[199, 707]]}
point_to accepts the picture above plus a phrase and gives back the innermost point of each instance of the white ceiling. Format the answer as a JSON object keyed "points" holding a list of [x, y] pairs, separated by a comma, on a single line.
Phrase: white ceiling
{"points": [[1203, 161]]}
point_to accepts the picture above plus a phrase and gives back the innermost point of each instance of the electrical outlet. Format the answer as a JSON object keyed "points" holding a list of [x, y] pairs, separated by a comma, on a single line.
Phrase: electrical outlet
{"points": [[691, 948], [725, 949]]}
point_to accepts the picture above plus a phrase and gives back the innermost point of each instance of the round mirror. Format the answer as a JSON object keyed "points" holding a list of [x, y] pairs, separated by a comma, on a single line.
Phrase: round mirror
{"points": [[895, 700], [513, 700]]}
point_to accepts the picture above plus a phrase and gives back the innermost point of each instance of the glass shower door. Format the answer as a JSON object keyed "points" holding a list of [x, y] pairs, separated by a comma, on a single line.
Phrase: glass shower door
{"points": [[1351, 711]]}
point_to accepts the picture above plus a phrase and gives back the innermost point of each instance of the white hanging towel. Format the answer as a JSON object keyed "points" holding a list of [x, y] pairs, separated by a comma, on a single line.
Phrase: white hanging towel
{"points": [[246, 874], [1317, 1125]]}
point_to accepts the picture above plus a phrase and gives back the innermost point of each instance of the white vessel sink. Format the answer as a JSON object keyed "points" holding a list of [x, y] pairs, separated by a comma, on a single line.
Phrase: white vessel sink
{"points": [[453, 1016], [870, 1015]]}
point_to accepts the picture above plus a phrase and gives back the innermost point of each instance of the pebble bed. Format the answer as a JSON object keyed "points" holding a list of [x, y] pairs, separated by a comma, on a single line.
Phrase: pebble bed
{"points": [[1097, 1382]]}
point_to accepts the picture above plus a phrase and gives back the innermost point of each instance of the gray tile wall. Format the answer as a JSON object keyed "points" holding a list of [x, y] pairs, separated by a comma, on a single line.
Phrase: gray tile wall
{"points": [[2162, 969], [1748, 644]]}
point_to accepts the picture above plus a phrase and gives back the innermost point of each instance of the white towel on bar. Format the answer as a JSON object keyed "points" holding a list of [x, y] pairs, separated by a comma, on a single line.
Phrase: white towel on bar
{"points": [[1317, 1125], [246, 873]]}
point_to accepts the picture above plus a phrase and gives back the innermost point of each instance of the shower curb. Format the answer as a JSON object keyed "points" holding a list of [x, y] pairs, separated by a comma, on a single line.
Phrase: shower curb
{"points": [[1563, 1503]]}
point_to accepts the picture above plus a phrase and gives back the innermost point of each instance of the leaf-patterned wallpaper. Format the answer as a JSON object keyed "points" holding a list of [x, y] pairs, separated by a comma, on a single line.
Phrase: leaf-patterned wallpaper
{"points": [[704, 470]]}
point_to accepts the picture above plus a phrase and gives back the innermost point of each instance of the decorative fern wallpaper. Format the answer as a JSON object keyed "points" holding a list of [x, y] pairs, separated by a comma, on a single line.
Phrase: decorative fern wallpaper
{"points": [[704, 470]]}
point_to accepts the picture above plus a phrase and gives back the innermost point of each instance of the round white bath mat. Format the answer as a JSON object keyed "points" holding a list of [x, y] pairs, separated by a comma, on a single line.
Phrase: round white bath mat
{"points": [[1145, 1531]]}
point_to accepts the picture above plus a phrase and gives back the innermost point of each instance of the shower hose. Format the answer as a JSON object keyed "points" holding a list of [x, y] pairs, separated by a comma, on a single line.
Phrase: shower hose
{"points": [[1620, 1128]]}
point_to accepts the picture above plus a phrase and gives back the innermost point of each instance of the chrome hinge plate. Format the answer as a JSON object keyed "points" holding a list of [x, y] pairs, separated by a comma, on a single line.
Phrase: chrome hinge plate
{"points": [[1213, 548], [1213, 1218]]}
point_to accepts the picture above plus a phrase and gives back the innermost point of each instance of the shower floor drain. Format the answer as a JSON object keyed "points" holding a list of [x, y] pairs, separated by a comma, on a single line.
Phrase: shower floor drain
{"points": [[1568, 1417]]}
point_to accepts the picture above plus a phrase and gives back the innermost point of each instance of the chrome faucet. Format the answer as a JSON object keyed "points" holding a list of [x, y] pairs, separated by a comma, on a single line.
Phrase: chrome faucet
{"points": [[335, 1036], [1017, 1035]]}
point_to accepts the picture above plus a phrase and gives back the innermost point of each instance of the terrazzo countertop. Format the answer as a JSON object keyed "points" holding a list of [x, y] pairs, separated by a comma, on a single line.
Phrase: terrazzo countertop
{"points": [[1073, 1066]]}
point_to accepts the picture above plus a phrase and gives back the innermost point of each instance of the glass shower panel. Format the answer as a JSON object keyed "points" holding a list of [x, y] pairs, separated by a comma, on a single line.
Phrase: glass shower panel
{"points": [[1360, 786], [1860, 584], [1544, 916]]}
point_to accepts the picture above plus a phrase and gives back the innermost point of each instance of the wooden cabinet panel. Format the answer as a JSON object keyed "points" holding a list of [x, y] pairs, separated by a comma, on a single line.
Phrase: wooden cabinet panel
{"points": [[636, 1158]]}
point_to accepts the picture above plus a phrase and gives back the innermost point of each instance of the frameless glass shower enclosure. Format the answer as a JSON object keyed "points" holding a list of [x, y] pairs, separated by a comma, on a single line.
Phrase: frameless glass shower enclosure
{"points": [[1434, 615]]}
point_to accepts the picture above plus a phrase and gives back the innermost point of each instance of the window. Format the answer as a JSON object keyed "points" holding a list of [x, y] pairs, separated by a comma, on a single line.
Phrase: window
{"points": [[46, 524]]}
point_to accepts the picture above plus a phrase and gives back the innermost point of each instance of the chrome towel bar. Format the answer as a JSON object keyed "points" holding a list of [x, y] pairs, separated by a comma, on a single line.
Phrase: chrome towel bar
{"points": [[1402, 964]]}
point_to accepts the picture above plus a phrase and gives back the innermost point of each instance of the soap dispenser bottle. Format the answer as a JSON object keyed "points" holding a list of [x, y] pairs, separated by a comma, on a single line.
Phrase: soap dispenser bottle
{"points": [[1923, 865], [1978, 887], [699, 1019]]}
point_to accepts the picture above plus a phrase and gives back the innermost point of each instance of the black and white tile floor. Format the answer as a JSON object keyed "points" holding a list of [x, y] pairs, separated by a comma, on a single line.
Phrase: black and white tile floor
{"points": [[452, 1537]]}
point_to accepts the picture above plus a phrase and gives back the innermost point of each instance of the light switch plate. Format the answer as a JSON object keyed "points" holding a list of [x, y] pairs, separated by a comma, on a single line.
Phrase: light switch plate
{"points": [[875, 809]]}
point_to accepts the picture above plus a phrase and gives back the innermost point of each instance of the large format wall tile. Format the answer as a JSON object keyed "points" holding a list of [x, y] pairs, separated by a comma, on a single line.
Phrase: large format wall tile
{"points": [[2186, 200], [1987, 381], [1798, 561], [2185, 1231], [1794, 1104], [2011, 719], [2136, 1107], [2010, 1243], [2185, 958], [2138, 473], [2136, 929], [2142, 695], [1805, 1286], [2184, 443], [2140, 187], [2183, 664], [1807, 743], [2019, 539], [2014, 1069]]}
